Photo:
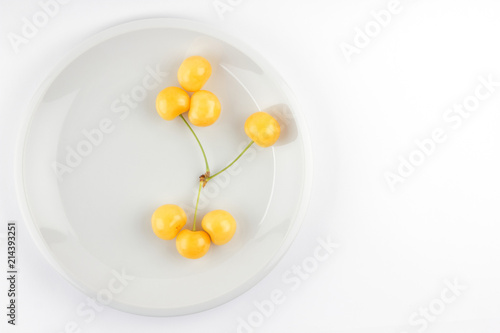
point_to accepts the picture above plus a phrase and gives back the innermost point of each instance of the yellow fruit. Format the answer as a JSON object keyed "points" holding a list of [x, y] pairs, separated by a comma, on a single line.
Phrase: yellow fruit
{"points": [[262, 128], [220, 225], [205, 108], [194, 73], [171, 102], [167, 220], [192, 244]]}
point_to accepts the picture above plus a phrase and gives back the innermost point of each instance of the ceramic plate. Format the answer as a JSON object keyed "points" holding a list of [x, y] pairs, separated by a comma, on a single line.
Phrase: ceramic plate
{"points": [[95, 161]]}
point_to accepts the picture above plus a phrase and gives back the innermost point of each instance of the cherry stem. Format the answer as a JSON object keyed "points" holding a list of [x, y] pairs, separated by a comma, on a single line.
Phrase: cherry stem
{"points": [[237, 158], [196, 208], [207, 169]]}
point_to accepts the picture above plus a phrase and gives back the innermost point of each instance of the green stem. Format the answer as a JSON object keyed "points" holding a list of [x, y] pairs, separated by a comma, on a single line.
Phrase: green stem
{"points": [[199, 143], [196, 208], [237, 158]]}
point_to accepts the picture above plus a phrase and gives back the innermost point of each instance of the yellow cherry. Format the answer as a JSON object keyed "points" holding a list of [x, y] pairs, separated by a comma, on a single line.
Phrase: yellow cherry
{"points": [[205, 108], [171, 102], [262, 128], [167, 220], [192, 244], [220, 225], [194, 73]]}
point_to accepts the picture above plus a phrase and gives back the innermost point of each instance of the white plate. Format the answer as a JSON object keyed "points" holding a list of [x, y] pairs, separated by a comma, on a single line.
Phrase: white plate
{"points": [[117, 160]]}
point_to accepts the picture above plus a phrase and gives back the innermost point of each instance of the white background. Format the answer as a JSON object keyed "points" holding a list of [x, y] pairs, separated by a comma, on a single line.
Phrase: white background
{"points": [[397, 248]]}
